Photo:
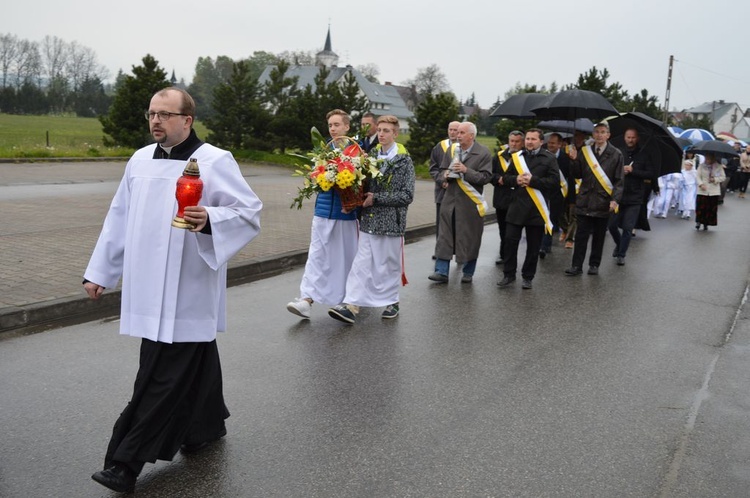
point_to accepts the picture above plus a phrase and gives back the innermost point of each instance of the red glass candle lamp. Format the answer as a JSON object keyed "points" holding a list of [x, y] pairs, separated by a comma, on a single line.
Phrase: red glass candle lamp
{"points": [[188, 193]]}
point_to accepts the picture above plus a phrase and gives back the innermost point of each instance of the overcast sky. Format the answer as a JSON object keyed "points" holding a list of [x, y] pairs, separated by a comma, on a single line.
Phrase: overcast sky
{"points": [[483, 47]]}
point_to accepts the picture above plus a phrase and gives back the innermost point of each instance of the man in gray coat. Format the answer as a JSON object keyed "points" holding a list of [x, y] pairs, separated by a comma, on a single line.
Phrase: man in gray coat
{"points": [[600, 169], [464, 174], [436, 158]]}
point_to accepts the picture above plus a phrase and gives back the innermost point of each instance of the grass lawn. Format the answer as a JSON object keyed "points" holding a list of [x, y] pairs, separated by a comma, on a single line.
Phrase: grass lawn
{"points": [[69, 136]]}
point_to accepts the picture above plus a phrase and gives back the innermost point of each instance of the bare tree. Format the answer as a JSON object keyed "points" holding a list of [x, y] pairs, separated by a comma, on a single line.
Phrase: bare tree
{"points": [[28, 62], [297, 57], [429, 80], [54, 52], [370, 72], [8, 50], [80, 65]]}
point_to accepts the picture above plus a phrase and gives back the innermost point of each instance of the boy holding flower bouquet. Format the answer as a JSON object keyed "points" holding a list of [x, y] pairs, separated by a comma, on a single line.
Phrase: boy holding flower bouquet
{"points": [[377, 271]]}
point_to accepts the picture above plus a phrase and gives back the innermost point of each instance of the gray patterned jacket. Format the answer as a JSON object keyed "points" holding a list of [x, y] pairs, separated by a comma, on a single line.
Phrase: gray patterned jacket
{"points": [[392, 194]]}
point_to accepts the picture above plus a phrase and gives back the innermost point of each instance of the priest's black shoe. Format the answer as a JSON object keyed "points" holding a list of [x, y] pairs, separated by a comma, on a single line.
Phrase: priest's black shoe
{"points": [[196, 447], [573, 271], [117, 478], [593, 270]]}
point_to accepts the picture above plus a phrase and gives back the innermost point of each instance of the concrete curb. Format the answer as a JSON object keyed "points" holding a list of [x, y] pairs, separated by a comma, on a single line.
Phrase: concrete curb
{"points": [[19, 160], [46, 315]]}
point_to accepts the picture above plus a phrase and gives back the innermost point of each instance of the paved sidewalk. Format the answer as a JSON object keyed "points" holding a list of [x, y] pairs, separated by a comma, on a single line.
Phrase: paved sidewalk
{"points": [[52, 214]]}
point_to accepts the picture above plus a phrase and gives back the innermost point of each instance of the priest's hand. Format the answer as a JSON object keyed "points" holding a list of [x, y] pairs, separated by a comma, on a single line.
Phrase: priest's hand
{"points": [[93, 290], [197, 215], [369, 200]]}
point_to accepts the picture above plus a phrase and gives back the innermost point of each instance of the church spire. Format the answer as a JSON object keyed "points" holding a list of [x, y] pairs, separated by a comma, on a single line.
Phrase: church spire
{"points": [[327, 57], [328, 41]]}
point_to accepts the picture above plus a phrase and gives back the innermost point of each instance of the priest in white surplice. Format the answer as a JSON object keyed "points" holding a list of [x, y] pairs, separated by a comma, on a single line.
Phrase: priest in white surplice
{"points": [[173, 288]]}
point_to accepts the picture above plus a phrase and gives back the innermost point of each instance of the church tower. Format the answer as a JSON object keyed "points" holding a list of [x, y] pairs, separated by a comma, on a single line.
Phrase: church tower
{"points": [[327, 57]]}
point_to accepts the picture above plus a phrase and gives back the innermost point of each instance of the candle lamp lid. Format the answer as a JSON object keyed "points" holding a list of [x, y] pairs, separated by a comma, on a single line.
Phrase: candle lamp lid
{"points": [[192, 168]]}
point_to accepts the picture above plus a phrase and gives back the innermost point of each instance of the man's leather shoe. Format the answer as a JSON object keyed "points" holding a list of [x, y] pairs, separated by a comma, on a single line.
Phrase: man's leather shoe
{"points": [[573, 271], [542, 254], [466, 279], [499, 261], [526, 284], [620, 261], [117, 478], [439, 277], [506, 281], [593, 270]]}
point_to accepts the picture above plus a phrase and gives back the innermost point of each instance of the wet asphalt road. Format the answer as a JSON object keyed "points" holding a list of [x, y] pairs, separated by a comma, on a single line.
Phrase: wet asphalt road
{"points": [[630, 383]]}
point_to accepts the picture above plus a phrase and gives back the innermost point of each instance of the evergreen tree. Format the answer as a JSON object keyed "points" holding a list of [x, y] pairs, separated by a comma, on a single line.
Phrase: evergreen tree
{"points": [[238, 114], [596, 81], [703, 123], [208, 76], [429, 123], [647, 104], [30, 99], [8, 100], [279, 94], [353, 99], [125, 123], [91, 100], [259, 61]]}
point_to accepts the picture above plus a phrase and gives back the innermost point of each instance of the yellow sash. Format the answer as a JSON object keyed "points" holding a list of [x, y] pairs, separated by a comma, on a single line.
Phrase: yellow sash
{"points": [[445, 143], [503, 163], [470, 191], [536, 195], [474, 195], [563, 185], [597, 170]]}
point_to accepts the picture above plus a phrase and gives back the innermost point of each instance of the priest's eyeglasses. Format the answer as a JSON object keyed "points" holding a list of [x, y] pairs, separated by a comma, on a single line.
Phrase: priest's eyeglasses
{"points": [[163, 115]]}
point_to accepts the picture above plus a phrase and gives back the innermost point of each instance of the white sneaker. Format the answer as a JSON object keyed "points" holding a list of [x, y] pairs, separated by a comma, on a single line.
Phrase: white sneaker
{"points": [[300, 307]]}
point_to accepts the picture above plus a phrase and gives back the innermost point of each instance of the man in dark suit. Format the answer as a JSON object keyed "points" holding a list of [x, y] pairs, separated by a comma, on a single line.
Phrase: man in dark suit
{"points": [[637, 168], [600, 169], [535, 175], [503, 194], [370, 130], [557, 197]]}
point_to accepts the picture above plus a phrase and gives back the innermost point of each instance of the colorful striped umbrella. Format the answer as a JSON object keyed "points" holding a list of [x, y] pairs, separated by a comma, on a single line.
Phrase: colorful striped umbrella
{"points": [[696, 135]]}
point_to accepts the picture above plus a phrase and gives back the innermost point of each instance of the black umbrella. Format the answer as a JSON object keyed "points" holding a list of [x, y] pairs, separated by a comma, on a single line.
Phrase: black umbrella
{"points": [[684, 143], [582, 124], [654, 137], [574, 104], [518, 105], [715, 147]]}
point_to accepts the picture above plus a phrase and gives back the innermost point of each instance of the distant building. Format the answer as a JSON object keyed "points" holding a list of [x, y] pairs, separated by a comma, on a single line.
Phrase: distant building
{"points": [[725, 116], [382, 99]]}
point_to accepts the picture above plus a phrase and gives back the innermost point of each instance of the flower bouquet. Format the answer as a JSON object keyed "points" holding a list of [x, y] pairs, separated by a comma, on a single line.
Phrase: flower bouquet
{"points": [[341, 165]]}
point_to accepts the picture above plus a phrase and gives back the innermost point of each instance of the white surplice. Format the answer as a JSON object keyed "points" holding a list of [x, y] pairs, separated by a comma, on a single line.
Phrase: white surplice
{"points": [[173, 280]]}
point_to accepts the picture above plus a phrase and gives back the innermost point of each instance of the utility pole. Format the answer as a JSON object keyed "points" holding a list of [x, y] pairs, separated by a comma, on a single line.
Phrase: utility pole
{"points": [[669, 89]]}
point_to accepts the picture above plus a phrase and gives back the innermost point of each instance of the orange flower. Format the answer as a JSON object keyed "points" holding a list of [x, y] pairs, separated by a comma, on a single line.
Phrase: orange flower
{"points": [[342, 165], [353, 150], [320, 170]]}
